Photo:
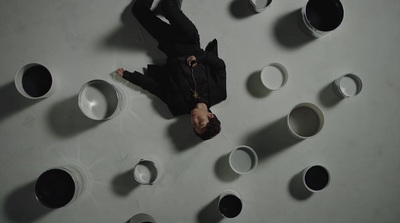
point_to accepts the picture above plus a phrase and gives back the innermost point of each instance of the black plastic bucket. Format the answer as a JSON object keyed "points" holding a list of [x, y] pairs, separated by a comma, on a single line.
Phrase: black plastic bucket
{"points": [[58, 187], [322, 16], [34, 81]]}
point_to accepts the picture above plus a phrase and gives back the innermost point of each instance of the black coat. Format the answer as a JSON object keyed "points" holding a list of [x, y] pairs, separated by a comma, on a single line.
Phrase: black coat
{"points": [[216, 76]]}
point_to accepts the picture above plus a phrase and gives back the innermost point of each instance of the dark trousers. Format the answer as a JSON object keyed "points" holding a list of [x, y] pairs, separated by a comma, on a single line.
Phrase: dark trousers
{"points": [[179, 31]]}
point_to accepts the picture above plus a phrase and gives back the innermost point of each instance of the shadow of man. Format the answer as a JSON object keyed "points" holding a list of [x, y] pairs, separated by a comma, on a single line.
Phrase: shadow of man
{"points": [[182, 134], [132, 36]]}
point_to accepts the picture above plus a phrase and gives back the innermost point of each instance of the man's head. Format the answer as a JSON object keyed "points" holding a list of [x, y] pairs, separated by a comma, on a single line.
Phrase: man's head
{"points": [[205, 124]]}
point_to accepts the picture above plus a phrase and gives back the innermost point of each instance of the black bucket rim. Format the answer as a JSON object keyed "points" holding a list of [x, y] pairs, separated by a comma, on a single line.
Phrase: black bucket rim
{"points": [[341, 12], [53, 205]]}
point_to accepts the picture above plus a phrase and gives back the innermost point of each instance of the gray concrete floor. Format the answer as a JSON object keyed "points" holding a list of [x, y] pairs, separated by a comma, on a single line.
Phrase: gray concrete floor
{"points": [[79, 41]]}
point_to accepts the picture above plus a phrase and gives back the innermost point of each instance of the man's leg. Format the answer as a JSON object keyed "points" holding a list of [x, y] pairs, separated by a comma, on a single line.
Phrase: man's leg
{"points": [[157, 28], [183, 28]]}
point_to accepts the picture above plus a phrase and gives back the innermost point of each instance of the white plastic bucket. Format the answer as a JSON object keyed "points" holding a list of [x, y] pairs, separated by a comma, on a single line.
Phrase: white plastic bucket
{"points": [[259, 5], [142, 218], [100, 100], [274, 76], [34, 81], [145, 172], [305, 120], [243, 159], [348, 85]]}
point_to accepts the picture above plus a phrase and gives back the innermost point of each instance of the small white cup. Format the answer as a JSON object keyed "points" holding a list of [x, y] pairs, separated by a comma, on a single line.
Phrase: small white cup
{"points": [[142, 218], [34, 81], [315, 178], [60, 186], [145, 172], [230, 204], [243, 159], [305, 120], [259, 5], [274, 76], [348, 85]]}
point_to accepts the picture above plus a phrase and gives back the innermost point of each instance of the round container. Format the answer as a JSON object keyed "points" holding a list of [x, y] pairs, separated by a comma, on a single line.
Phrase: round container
{"points": [[347, 86], [315, 178], [100, 100], [305, 120], [243, 159], [58, 187], [229, 204], [145, 172], [322, 16], [34, 81], [259, 5], [274, 76], [142, 218]]}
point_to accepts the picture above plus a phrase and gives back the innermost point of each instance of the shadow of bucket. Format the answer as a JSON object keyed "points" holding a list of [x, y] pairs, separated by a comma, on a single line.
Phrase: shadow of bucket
{"points": [[34, 81], [100, 100], [322, 16], [60, 186]]}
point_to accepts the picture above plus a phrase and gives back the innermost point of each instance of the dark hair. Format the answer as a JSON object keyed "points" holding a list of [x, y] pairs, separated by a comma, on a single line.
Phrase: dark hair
{"points": [[213, 127]]}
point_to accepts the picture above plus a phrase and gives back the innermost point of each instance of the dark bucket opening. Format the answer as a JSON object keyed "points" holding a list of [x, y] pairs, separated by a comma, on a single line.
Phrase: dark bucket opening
{"points": [[317, 178], [55, 188], [37, 81], [324, 15], [230, 206]]}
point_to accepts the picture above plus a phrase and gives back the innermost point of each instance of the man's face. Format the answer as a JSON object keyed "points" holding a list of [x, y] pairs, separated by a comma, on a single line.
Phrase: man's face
{"points": [[199, 119]]}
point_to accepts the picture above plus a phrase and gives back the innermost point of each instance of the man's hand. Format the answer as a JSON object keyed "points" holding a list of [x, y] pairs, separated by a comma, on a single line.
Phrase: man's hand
{"points": [[191, 61], [120, 72]]}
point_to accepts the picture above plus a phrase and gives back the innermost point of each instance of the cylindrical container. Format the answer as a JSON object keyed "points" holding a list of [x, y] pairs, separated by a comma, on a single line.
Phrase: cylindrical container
{"points": [[145, 172], [60, 186], [274, 76], [259, 5], [229, 204], [315, 178], [142, 218], [243, 159], [34, 81], [100, 100], [305, 120], [322, 16], [347, 86]]}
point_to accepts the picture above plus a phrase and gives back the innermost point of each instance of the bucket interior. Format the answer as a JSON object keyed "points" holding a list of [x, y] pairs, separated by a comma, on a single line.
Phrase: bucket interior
{"points": [[98, 100], [145, 172], [243, 160], [35, 80], [324, 15], [316, 178], [55, 188], [230, 206], [304, 121]]}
